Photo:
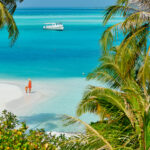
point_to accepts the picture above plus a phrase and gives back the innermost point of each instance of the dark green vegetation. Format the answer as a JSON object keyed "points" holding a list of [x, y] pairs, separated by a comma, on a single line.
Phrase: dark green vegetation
{"points": [[7, 8]]}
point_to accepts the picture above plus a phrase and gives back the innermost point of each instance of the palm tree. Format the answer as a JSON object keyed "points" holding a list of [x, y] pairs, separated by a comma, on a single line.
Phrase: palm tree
{"points": [[125, 69], [136, 23], [134, 46], [7, 8], [128, 105], [111, 72]]}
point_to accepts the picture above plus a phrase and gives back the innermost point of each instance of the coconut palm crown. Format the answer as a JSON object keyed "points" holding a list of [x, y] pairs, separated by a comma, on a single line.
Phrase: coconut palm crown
{"points": [[7, 8]]}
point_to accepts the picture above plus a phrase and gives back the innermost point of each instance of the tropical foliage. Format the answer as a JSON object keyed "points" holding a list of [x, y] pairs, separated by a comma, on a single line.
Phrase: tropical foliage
{"points": [[7, 8], [124, 68], [15, 135]]}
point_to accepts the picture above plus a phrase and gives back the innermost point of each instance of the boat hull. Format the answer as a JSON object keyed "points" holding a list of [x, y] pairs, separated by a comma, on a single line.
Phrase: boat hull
{"points": [[52, 28]]}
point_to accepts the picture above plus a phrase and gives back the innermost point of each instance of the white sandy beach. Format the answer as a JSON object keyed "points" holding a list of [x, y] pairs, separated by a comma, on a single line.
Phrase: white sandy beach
{"points": [[49, 99], [9, 93], [12, 96], [14, 99]]}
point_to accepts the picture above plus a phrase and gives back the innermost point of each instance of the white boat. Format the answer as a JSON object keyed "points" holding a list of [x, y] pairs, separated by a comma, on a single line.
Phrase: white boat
{"points": [[53, 26]]}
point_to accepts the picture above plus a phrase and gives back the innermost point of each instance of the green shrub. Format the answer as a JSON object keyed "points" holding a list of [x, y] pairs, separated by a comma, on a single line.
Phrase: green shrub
{"points": [[14, 135]]}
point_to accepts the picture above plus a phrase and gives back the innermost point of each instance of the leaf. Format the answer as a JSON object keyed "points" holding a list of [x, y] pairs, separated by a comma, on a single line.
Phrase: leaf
{"points": [[71, 120]]}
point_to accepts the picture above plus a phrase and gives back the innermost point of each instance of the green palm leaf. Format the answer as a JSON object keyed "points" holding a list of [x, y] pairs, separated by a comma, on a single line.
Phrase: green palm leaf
{"points": [[11, 5], [91, 131], [7, 19]]}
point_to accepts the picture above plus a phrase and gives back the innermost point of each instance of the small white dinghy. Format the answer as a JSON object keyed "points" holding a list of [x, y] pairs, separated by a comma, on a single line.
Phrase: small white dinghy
{"points": [[54, 26]]}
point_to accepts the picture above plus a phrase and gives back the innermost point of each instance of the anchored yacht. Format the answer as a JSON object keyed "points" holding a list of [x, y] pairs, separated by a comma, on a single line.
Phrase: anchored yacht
{"points": [[53, 26]]}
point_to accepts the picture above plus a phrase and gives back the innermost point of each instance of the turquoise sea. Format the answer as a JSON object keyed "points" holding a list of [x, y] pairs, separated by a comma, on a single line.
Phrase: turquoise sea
{"points": [[43, 54], [50, 55]]}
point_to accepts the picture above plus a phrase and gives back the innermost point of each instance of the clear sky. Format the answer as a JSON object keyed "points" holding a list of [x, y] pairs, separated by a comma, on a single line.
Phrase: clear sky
{"points": [[67, 3]]}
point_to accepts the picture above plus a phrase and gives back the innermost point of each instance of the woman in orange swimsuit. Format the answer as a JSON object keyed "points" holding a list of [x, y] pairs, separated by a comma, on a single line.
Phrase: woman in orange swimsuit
{"points": [[30, 85]]}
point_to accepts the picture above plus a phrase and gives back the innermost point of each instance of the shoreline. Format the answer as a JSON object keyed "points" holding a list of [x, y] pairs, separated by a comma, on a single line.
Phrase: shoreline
{"points": [[14, 99], [9, 92], [49, 99], [19, 94]]}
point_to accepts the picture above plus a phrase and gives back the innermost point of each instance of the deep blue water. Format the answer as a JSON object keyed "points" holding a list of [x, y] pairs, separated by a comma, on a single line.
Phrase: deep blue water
{"points": [[41, 53]]}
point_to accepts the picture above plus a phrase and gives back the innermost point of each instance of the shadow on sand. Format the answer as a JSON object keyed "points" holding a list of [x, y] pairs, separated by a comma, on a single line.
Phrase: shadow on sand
{"points": [[48, 121]]}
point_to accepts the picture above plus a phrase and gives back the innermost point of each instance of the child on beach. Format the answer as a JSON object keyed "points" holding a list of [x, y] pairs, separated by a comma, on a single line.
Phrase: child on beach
{"points": [[29, 86], [26, 89]]}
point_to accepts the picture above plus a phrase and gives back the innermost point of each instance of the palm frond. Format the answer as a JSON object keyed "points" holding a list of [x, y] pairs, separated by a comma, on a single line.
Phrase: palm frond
{"points": [[131, 37], [135, 20], [113, 10], [108, 36], [7, 19], [144, 75], [71, 120], [88, 105], [109, 97], [11, 5], [107, 72]]}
